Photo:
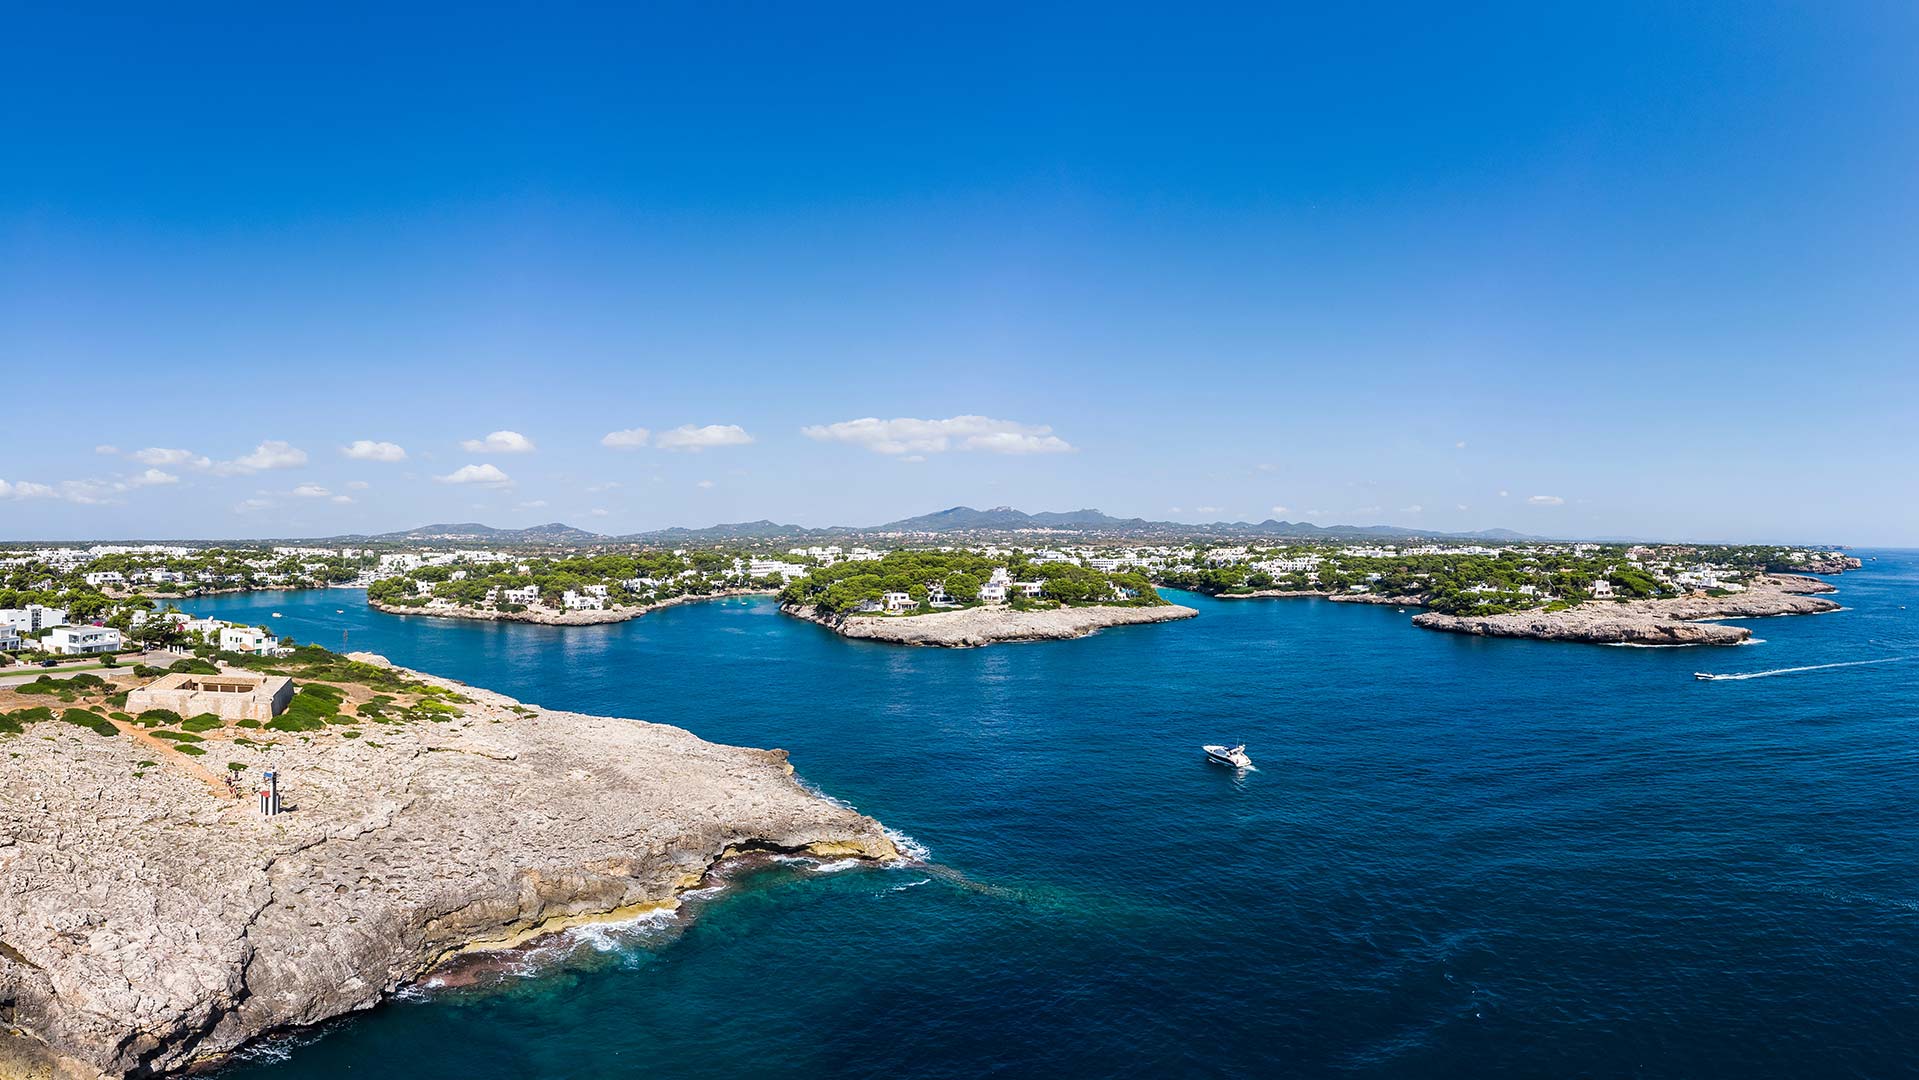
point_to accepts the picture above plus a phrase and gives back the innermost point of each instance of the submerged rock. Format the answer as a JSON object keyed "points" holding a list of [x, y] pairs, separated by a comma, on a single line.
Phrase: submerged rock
{"points": [[149, 922]]}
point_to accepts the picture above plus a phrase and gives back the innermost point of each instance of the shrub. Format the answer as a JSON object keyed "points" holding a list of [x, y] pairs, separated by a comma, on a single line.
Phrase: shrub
{"points": [[203, 722], [246, 723], [191, 751], [88, 681], [38, 712], [178, 736], [148, 671], [158, 718], [92, 721], [193, 666], [41, 685], [236, 766], [118, 701]]}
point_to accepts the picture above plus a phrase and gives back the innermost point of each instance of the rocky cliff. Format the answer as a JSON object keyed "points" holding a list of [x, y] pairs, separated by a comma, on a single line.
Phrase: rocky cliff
{"points": [[1649, 622], [150, 922]]}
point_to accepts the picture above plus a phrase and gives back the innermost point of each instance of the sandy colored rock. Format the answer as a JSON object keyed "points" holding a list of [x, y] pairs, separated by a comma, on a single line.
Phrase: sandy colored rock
{"points": [[149, 922], [971, 627], [1678, 621], [447, 609]]}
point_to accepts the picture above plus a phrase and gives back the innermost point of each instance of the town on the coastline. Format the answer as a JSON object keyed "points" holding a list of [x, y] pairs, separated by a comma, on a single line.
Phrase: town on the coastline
{"points": [[69, 600]]}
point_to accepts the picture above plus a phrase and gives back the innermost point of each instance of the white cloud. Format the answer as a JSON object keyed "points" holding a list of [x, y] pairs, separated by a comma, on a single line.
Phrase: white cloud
{"points": [[104, 448], [499, 442], [159, 455], [1503, 493], [705, 484], [1413, 509], [692, 437], [26, 489], [906, 435], [372, 450], [627, 439], [1278, 510], [1460, 445], [356, 485], [152, 477], [341, 499], [1206, 510], [610, 485], [311, 491], [1461, 507], [597, 511], [271, 454], [533, 504], [1266, 466], [248, 506], [488, 475], [1545, 500]]}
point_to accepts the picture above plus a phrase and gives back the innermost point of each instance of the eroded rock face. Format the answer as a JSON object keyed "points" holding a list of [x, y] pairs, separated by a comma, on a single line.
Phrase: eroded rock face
{"points": [[1648, 622], [149, 922], [970, 627]]}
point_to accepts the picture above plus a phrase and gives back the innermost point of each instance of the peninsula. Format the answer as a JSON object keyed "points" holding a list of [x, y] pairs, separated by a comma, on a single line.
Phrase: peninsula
{"points": [[975, 626], [965, 598], [1678, 621], [153, 919]]}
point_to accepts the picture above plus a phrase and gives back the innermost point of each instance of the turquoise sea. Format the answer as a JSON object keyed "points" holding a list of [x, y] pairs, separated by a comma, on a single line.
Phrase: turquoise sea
{"points": [[1457, 857]]}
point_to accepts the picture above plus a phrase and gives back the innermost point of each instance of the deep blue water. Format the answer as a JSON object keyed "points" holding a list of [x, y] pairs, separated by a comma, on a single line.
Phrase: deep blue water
{"points": [[1457, 857]]}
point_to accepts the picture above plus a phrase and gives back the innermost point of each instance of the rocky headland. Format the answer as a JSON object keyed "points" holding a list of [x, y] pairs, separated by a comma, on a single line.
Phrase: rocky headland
{"points": [[1324, 594], [1685, 620], [972, 627], [447, 609], [151, 920]]}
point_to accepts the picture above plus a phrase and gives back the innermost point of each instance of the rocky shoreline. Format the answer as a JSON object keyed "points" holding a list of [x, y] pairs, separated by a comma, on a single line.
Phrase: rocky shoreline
{"points": [[544, 617], [149, 922], [972, 627], [1682, 621], [1323, 594]]}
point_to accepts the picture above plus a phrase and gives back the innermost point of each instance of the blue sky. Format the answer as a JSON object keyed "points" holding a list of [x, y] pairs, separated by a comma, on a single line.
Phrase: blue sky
{"points": [[1641, 271]]}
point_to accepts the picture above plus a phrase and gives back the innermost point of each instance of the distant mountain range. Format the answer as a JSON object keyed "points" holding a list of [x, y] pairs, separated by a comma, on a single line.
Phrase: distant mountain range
{"points": [[999, 520]]}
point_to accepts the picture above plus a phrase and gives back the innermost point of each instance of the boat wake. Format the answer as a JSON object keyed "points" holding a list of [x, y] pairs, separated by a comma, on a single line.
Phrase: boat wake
{"points": [[1733, 676]]}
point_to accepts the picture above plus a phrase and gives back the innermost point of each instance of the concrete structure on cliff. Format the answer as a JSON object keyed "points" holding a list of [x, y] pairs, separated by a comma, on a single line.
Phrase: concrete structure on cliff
{"points": [[236, 696]]}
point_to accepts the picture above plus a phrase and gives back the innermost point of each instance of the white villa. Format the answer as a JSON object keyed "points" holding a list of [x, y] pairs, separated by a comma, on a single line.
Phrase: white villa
{"points": [[80, 640], [247, 639]]}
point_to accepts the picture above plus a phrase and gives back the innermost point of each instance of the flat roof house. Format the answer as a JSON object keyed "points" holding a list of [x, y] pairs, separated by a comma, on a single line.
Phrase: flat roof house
{"points": [[80, 640]]}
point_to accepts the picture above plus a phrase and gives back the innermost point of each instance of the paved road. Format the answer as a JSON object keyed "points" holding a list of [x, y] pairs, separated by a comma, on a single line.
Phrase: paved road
{"points": [[15, 674]]}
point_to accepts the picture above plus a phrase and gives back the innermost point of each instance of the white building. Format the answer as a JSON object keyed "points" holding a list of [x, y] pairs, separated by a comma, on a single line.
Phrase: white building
{"points": [[896, 602], [525, 594], [32, 618], [247, 639], [10, 640], [573, 601], [80, 640]]}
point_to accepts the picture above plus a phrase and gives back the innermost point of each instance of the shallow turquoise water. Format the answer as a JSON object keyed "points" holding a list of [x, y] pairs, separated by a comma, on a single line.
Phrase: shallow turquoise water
{"points": [[1457, 858]]}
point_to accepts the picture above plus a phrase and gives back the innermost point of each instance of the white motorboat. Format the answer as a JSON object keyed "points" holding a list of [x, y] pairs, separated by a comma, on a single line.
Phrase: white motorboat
{"points": [[1229, 755], [276, 614]]}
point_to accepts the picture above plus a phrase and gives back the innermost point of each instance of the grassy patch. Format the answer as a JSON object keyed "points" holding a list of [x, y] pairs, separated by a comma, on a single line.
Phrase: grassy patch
{"points": [[178, 736], [203, 722], [191, 751], [92, 721], [194, 666], [157, 718]]}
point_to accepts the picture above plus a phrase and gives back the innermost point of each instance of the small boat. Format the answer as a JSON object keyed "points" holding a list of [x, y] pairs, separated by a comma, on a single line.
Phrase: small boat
{"points": [[1229, 755], [339, 611], [1706, 675], [276, 614]]}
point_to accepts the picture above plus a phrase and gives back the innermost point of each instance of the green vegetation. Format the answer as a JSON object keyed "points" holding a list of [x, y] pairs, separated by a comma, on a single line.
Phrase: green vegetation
{"points": [[157, 718], [178, 736], [845, 587], [191, 751], [202, 722], [193, 665], [92, 721]]}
